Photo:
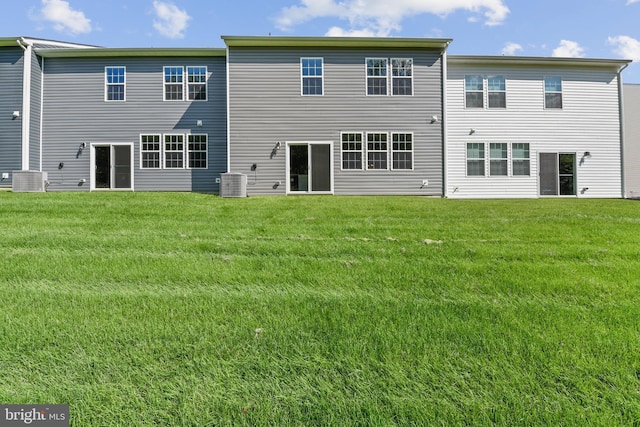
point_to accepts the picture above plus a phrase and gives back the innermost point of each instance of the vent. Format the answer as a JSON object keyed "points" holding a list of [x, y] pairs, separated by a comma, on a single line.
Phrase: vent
{"points": [[29, 181], [233, 185]]}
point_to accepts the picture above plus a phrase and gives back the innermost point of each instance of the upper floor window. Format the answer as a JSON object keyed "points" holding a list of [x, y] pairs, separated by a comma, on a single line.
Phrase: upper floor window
{"points": [[115, 83], [173, 83], [312, 76], [497, 91], [474, 91], [377, 150], [552, 92], [377, 71], [402, 150], [351, 146], [197, 83], [402, 76]]}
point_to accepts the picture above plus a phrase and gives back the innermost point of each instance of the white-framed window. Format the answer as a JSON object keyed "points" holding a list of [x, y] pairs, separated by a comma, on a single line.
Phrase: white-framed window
{"points": [[553, 92], [520, 159], [197, 151], [498, 159], [475, 159], [401, 151], [497, 92], [150, 151], [174, 151], [312, 72], [197, 83], [377, 76], [173, 83], [115, 83], [402, 76], [351, 149], [377, 151], [474, 91]]}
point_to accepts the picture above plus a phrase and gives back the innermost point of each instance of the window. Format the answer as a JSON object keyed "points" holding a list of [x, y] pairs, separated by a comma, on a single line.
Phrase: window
{"points": [[498, 159], [173, 83], [197, 151], [115, 83], [497, 92], [520, 159], [377, 151], [173, 151], [402, 76], [552, 92], [377, 76], [351, 151], [196, 83], [474, 91], [475, 159], [150, 151], [311, 69], [402, 150]]}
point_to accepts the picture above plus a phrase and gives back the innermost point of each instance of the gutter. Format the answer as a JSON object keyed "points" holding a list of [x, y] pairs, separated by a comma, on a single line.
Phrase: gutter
{"points": [[26, 100]]}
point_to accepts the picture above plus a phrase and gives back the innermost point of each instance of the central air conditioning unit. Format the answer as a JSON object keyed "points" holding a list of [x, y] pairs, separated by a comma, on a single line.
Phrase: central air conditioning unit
{"points": [[29, 182], [233, 184]]}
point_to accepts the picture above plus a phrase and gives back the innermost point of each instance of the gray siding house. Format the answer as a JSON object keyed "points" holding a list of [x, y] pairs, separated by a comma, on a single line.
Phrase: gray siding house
{"points": [[332, 115], [134, 119], [20, 103], [632, 141]]}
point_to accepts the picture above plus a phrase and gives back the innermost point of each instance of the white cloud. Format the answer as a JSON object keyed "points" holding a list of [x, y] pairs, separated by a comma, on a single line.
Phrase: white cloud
{"points": [[170, 21], [64, 18], [568, 49], [632, 2], [627, 47], [340, 32], [380, 18], [511, 48]]}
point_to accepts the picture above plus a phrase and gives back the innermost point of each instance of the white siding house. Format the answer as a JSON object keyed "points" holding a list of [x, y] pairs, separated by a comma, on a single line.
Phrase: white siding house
{"points": [[632, 141], [519, 127]]}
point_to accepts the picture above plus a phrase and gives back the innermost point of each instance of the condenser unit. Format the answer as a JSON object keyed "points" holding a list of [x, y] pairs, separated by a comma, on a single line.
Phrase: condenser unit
{"points": [[29, 181], [233, 184]]}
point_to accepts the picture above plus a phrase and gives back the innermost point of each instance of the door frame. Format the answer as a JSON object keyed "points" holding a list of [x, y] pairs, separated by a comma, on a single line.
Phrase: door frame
{"points": [[92, 165], [557, 173], [288, 166]]}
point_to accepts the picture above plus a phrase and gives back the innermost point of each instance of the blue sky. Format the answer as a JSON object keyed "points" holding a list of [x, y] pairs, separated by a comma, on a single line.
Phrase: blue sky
{"points": [[573, 28]]}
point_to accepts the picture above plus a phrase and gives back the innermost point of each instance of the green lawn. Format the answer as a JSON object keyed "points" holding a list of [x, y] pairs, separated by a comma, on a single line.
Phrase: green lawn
{"points": [[191, 310]]}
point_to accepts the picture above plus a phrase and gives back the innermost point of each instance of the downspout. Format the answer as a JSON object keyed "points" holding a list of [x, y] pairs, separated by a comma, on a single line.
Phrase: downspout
{"points": [[445, 192], [228, 100], [26, 100], [621, 120]]}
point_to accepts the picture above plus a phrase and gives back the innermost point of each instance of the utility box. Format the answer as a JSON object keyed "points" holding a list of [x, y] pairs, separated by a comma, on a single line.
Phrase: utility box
{"points": [[233, 184], [29, 182]]}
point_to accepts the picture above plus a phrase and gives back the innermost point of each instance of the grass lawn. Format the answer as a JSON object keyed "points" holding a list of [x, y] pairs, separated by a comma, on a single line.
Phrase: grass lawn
{"points": [[181, 309]]}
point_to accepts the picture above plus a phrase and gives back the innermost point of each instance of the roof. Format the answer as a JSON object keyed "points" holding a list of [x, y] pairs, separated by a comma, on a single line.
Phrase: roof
{"points": [[15, 41], [354, 42], [534, 60], [130, 52]]}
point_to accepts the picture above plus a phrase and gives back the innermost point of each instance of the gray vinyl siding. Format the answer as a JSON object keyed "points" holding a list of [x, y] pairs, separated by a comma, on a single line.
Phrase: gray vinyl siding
{"points": [[631, 98], [11, 75], [36, 109], [266, 107], [588, 122], [75, 111]]}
